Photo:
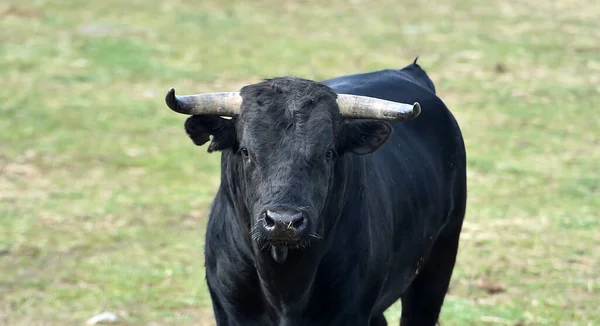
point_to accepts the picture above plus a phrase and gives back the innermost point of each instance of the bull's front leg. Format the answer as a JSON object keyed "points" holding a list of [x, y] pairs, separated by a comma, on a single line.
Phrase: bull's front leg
{"points": [[230, 316], [355, 319], [218, 311], [233, 308], [337, 318]]}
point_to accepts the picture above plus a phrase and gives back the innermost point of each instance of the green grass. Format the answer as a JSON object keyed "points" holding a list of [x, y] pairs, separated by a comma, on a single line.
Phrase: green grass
{"points": [[103, 198]]}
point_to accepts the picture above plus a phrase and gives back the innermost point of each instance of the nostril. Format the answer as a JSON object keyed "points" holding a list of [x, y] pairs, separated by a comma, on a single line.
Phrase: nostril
{"points": [[299, 223], [269, 222]]}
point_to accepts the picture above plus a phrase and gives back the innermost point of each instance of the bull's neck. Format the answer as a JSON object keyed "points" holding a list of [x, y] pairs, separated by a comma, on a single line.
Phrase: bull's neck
{"points": [[339, 194]]}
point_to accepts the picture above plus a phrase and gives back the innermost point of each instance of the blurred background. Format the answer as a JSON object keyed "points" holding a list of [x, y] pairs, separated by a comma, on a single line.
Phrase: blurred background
{"points": [[103, 198]]}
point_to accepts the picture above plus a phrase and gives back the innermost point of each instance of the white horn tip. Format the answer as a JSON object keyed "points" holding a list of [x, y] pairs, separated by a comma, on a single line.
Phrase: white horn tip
{"points": [[171, 100], [404, 112], [416, 110]]}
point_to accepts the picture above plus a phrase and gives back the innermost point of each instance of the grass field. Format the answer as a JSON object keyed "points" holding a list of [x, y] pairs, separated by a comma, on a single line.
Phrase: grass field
{"points": [[103, 198]]}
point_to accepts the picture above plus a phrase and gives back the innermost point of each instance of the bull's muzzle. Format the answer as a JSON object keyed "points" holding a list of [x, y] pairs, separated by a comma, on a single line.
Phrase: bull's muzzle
{"points": [[284, 226]]}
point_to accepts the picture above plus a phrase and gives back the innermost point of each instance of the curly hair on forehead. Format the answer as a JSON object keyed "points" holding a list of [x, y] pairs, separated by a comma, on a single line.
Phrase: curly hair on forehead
{"points": [[286, 100], [292, 89]]}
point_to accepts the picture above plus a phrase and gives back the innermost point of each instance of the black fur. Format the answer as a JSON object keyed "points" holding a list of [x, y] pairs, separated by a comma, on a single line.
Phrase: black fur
{"points": [[383, 201]]}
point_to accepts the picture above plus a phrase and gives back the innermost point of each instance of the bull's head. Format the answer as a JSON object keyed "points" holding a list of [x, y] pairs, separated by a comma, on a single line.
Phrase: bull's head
{"points": [[284, 138]]}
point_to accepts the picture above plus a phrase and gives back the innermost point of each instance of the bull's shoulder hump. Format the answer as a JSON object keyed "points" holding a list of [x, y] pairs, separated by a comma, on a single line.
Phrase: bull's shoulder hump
{"points": [[346, 82], [408, 79]]}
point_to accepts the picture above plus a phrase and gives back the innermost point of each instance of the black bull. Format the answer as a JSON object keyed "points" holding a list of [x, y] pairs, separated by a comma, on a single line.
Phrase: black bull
{"points": [[321, 220]]}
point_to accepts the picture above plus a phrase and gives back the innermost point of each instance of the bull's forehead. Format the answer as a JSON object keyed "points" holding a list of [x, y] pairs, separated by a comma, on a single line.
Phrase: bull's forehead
{"points": [[287, 95], [284, 125], [291, 109]]}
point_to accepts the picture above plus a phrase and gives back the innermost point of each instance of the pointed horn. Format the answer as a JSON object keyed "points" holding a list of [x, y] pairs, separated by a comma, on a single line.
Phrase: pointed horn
{"points": [[363, 107], [223, 104]]}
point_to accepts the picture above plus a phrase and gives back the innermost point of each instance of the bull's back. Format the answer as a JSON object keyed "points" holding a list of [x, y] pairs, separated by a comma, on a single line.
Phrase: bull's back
{"points": [[411, 180]]}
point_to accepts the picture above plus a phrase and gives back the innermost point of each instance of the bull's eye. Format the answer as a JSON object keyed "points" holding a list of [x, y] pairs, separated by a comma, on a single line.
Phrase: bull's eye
{"points": [[244, 151], [329, 154]]}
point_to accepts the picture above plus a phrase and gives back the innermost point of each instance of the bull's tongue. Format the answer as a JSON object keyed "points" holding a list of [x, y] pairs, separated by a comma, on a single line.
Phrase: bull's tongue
{"points": [[279, 253]]}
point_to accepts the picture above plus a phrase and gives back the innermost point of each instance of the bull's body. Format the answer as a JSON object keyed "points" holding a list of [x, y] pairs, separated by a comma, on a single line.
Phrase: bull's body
{"points": [[392, 226]]}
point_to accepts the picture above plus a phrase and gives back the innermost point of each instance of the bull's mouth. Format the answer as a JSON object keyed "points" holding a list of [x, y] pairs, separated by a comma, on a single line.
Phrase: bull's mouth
{"points": [[279, 248], [279, 253]]}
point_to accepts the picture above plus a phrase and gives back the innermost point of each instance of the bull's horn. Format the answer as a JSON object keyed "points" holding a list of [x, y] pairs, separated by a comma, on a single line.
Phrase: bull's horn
{"points": [[223, 104], [363, 107]]}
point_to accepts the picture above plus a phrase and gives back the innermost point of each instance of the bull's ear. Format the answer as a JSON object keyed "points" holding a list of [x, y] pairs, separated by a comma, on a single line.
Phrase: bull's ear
{"points": [[363, 137], [199, 128]]}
